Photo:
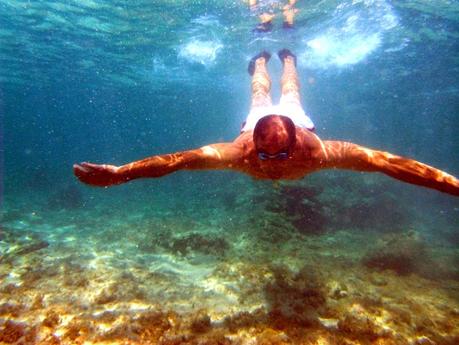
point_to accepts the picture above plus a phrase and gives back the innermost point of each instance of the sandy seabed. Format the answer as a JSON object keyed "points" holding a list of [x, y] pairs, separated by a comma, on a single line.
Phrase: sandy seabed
{"points": [[91, 277]]}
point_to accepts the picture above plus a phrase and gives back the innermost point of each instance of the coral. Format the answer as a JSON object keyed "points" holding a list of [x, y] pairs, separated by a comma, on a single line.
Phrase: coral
{"points": [[12, 331], [107, 295], [402, 253], [180, 339], [122, 331], [107, 316], [11, 309], [360, 328], [151, 325], [31, 335], [301, 206], [185, 243], [196, 242], [361, 203], [125, 288], [52, 340], [337, 290], [271, 337], [269, 229], [75, 281], [9, 289], [295, 299], [201, 322], [77, 329], [21, 244], [147, 328], [24, 249], [244, 320], [51, 320], [33, 275], [38, 302], [185, 339]]}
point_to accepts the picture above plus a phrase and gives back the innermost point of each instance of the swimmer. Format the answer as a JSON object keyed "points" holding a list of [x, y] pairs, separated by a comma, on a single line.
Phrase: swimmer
{"points": [[266, 13], [276, 142]]}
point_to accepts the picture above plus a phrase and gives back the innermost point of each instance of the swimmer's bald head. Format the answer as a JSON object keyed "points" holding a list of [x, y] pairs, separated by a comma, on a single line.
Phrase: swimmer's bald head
{"points": [[274, 137]]}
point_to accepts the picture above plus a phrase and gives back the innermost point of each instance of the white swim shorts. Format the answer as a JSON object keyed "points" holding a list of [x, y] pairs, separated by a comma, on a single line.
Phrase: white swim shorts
{"points": [[289, 109]]}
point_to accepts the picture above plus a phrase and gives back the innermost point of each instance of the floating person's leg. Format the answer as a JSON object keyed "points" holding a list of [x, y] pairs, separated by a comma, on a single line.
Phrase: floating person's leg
{"points": [[253, 5], [289, 14], [290, 101], [265, 15], [261, 101]]}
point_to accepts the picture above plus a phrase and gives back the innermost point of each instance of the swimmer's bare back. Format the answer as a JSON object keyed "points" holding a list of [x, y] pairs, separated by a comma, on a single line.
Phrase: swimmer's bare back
{"points": [[310, 154]]}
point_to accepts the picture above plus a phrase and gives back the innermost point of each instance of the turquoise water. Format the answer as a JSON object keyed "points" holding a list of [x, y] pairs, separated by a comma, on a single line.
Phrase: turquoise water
{"points": [[218, 257]]}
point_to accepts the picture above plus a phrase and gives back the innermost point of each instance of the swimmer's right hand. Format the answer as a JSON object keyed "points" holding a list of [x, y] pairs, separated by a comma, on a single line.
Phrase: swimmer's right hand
{"points": [[102, 175]]}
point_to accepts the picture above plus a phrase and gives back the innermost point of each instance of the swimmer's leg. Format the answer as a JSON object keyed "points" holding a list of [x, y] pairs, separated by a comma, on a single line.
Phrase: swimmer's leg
{"points": [[290, 101], [290, 84], [261, 82]]}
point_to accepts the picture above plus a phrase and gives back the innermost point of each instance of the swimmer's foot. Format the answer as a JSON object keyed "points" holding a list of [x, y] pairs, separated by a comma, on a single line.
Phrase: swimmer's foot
{"points": [[288, 26], [263, 28], [263, 54], [284, 53]]}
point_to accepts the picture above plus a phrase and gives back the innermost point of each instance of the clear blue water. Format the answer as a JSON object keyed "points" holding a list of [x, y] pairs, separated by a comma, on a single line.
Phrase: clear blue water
{"points": [[116, 81]]}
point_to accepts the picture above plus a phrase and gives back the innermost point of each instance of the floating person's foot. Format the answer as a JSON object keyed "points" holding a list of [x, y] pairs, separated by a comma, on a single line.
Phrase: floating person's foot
{"points": [[263, 54], [287, 26], [263, 27], [284, 53]]}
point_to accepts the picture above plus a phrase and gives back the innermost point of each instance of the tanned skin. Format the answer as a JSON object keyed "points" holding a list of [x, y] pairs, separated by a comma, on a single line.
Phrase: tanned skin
{"points": [[309, 153]]}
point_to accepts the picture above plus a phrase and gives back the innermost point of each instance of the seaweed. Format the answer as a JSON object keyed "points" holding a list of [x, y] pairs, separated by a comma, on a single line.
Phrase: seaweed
{"points": [[151, 325], [121, 290], [33, 247], [245, 320], [360, 328], [295, 299], [11, 309], [11, 332], [301, 206], [201, 322], [79, 328], [401, 253], [51, 320], [196, 242]]}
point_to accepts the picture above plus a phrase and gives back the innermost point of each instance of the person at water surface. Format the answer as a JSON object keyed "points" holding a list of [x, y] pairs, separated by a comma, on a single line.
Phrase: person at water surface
{"points": [[276, 142], [266, 13]]}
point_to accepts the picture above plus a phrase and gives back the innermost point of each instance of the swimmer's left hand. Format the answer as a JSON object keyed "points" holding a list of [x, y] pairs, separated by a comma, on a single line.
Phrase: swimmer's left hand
{"points": [[103, 175]]}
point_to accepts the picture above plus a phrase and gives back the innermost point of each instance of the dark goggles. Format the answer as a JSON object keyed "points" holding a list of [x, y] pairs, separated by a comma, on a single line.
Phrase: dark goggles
{"points": [[280, 155]]}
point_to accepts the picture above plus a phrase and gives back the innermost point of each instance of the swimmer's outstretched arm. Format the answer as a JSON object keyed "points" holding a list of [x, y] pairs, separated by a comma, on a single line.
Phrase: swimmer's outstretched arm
{"points": [[215, 156], [344, 155]]}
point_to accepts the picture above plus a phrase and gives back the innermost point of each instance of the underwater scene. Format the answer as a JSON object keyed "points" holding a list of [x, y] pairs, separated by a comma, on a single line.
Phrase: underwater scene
{"points": [[212, 251]]}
